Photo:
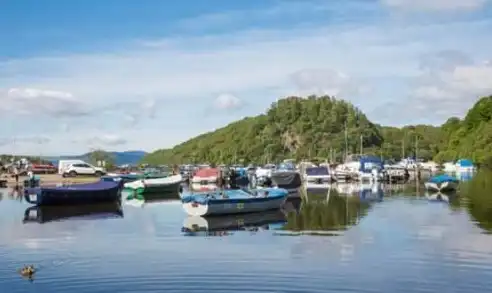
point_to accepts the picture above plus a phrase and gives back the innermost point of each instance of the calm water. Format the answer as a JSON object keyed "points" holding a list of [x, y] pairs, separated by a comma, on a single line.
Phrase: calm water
{"points": [[337, 240]]}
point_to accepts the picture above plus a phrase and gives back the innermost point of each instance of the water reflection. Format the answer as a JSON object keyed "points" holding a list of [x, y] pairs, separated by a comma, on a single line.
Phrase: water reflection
{"points": [[226, 225], [326, 214], [44, 214], [478, 193], [141, 200]]}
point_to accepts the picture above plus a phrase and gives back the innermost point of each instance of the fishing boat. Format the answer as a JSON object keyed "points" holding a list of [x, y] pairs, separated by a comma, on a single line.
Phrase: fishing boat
{"points": [[209, 226], [442, 183], [205, 176], [44, 214], [317, 175], [233, 201], [155, 185], [66, 194]]}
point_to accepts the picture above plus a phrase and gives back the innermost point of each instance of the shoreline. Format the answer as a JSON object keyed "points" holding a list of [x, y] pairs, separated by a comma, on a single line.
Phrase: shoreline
{"points": [[49, 179]]}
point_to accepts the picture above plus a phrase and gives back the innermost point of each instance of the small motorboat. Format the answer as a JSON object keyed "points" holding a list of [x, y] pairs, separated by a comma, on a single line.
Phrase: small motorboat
{"points": [[101, 191], [317, 175], [206, 176], [233, 201], [169, 184], [442, 183]]}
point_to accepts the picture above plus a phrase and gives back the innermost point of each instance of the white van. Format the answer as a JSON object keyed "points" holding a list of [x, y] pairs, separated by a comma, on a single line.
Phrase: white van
{"points": [[73, 168]]}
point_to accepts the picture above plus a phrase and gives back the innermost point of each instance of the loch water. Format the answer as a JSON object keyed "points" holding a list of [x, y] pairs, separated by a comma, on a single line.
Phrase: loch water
{"points": [[348, 238]]}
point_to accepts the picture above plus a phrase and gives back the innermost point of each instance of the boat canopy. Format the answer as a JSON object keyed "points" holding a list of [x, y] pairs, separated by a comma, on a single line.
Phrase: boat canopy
{"points": [[368, 163], [464, 163], [207, 172], [316, 171]]}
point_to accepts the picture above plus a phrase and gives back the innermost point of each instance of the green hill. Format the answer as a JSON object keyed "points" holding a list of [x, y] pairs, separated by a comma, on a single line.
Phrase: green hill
{"points": [[309, 128]]}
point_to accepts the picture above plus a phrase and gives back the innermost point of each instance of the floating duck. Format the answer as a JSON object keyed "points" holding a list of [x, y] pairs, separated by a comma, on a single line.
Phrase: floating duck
{"points": [[27, 271]]}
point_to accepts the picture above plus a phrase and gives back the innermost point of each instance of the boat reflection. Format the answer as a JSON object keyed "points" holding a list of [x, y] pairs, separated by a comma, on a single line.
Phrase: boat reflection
{"points": [[151, 198], [45, 214], [440, 196], [365, 191], [226, 225]]}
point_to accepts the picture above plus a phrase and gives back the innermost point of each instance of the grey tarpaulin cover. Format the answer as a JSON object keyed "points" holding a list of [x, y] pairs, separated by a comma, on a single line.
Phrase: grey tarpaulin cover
{"points": [[287, 179]]}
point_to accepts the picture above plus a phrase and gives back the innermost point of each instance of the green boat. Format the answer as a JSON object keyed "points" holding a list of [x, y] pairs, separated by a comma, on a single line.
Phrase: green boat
{"points": [[155, 185]]}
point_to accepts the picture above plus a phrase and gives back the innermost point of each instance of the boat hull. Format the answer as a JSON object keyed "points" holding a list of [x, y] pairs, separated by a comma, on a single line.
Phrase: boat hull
{"points": [[204, 180], [195, 207], [155, 185], [44, 214], [318, 178], [101, 191]]}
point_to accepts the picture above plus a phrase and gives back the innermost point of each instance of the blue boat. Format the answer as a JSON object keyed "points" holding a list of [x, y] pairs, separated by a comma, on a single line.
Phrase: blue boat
{"points": [[442, 183], [232, 201], [102, 191]]}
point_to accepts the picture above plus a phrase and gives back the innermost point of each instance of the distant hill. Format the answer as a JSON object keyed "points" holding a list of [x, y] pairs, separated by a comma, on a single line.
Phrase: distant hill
{"points": [[120, 158], [316, 127]]}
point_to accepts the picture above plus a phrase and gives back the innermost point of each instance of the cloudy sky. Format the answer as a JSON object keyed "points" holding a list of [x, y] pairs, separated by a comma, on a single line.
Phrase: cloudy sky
{"points": [[120, 75]]}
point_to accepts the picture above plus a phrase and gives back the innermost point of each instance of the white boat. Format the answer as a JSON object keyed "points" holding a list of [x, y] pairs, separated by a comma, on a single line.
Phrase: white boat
{"points": [[155, 185], [233, 201], [442, 183], [317, 174]]}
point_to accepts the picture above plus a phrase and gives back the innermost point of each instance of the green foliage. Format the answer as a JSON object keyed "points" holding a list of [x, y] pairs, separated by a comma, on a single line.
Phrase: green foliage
{"points": [[314, 128], [479, 203], [470, 138], [100, 155]]}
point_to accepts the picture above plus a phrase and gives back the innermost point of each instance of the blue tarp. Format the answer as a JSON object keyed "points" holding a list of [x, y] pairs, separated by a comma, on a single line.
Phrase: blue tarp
{"points": [[443, 178], [465, 163], [367, 163]]}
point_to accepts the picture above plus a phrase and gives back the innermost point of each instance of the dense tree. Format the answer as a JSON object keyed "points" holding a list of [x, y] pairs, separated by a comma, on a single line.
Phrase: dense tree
{"points": [[317, 128]]}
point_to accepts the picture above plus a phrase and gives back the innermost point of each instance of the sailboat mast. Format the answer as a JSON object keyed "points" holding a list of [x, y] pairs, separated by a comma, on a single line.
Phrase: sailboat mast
{"points": [[346, 141], [361, 144], [403, 149]]}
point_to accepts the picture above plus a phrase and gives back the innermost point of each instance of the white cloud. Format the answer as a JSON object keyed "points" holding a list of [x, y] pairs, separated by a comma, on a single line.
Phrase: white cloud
{"points": [[325, 82], [102, 141], [227, 102], [150, 79], [435, 5], [33, 101]]}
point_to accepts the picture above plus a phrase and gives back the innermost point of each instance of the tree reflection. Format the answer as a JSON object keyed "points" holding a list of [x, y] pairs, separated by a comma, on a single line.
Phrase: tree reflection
{"points": [[478, 193], [331, 212]]}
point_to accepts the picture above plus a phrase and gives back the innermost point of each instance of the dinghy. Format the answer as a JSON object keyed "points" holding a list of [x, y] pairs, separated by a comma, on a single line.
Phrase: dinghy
{"points": [[126, 178], [442, 183], [102, 191], [155, 185], [234, 201], [200, 226]]}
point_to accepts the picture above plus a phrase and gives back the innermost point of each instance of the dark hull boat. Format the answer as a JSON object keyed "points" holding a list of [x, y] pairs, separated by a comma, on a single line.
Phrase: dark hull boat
{"points": [[289, 180], [44, 214], [102, 191]]}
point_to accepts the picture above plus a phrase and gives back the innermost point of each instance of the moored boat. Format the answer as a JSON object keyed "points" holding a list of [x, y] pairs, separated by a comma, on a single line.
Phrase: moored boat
{"points": [[442, 183], [317, 175], [102, 191], [205, 176], [233, 201], [155, 185], [287, 177]]}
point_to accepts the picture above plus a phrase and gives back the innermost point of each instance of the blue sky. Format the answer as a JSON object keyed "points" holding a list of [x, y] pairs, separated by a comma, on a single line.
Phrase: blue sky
{"points": [[118, 75]]}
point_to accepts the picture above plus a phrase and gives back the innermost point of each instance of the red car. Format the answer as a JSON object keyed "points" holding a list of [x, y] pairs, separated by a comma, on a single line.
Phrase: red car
{"points": [[43, 169]]}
